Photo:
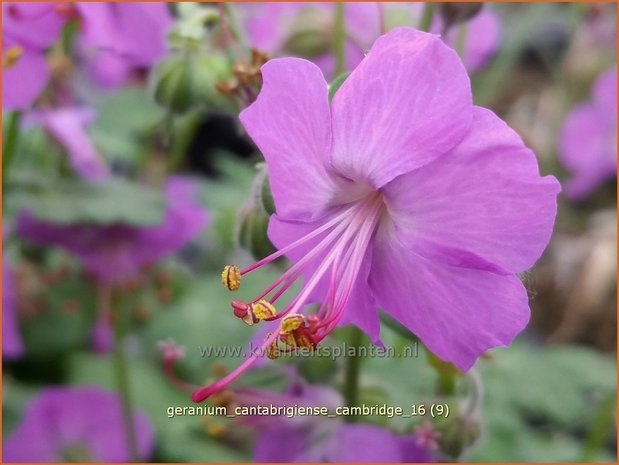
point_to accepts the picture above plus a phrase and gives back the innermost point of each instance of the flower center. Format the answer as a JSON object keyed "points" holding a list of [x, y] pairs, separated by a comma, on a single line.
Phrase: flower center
{"points": [[345, 239]]}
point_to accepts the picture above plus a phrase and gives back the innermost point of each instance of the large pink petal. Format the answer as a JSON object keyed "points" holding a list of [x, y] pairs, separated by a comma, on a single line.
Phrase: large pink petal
{"points": [[483, 205], [458, 313], [407, 103], [290, 124]]}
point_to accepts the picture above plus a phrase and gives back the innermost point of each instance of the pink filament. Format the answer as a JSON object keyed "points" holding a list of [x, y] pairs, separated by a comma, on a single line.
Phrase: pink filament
{"points": [[355, 227]]}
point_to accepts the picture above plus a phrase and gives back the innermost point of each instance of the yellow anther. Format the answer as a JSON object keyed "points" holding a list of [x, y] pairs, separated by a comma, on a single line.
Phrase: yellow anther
{"points": [[273, 351], [11, 56], [290, 323], [263, 309], [288, 339], [231, 277], [303, 340]]}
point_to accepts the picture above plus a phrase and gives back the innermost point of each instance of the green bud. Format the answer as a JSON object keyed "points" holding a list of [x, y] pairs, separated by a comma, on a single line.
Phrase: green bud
{"points": [[254, 216], [191, 29], [458, 435], [454, 13], [266, 196], [183, 81], [253, 232], [312, 34]]}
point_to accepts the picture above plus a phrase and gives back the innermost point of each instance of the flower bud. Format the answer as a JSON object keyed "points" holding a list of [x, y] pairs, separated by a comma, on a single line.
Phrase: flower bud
{"points": [[312, 34], [184, 80], [266, 196], [454, 13], [253, 232], [458, 435], [254, 217]]}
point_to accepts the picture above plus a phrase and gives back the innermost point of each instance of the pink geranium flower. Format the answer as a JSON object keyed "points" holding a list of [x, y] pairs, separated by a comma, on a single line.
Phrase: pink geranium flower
{"points": [[588, 140], [400, 195]]}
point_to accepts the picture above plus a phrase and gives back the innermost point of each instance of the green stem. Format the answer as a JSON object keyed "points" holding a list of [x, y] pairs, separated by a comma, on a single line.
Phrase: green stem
{"points": [[426, 17], [463, 30], [353, 368], [122, 377], [601, 428], [339, 43], [10, 143]]}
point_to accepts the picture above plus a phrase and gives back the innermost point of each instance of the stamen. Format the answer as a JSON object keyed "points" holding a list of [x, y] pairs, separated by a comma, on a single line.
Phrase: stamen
{"points": [[244, 312], [202, 394], [231, 277], [341, 253], [263, 310], [290, 323]]}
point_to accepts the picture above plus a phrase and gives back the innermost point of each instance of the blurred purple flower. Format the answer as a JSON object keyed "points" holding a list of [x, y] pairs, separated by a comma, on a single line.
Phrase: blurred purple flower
{"points": [[400, 195], [588, 140], [68, 127], [103, 336], [120, 37], [270, 27], [12, 345], [482, 39], [116, 252], [27, 30], [322, 439], [75, 424]]}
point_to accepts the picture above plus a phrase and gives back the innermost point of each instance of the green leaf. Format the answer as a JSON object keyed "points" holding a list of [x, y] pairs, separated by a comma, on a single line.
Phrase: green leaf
{"points": [[77, 201], [123, 118], [337, 83]]}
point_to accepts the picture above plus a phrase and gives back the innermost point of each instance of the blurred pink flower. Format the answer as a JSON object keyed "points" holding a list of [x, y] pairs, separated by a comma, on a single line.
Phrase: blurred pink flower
{"points": [[120, 37], [27, 30], [482, 37], [68, 127], [318, 438], [12, 345], [75, 424], [270, 25], [400, 195], [588, 139], [113, 253]]}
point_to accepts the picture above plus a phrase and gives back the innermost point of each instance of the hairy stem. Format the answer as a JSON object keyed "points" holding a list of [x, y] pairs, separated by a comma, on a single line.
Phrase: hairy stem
{"points": [[122, 374], [426, 16], [353, 368], [339, 39], [10, 143]]}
